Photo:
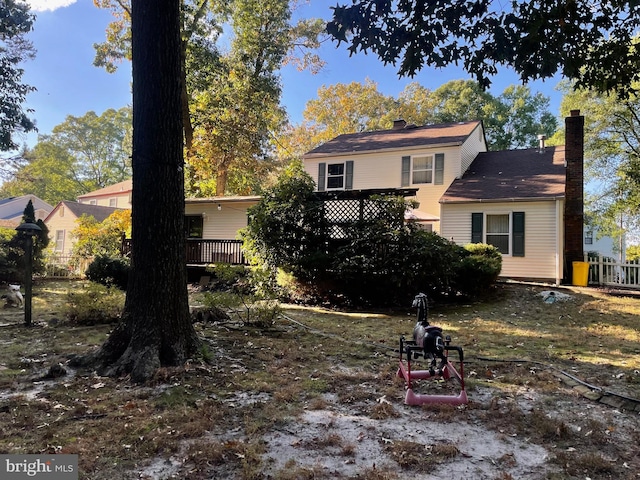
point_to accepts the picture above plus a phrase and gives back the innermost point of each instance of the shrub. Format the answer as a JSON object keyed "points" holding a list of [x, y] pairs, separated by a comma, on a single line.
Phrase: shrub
{"points": [[478, 271], [95, 304], [109, 271]]}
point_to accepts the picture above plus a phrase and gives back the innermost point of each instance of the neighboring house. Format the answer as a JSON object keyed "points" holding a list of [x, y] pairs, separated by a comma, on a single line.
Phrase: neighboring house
{"points": [[608, 247], [212, 225], [514, 200], [115, 196], [63, 220], [429, 158], [11, 209]]}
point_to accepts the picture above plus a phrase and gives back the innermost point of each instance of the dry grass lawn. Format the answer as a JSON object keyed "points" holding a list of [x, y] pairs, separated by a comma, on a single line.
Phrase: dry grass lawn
{"points": [[551, 389]]}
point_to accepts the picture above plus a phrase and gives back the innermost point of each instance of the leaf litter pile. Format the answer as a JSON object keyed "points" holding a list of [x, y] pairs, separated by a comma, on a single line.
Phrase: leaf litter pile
{"points": [[552, 389]]}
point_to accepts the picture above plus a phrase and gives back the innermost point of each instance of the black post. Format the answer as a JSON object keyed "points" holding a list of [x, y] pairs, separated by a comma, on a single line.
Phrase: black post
{"points": [[29, 230], [28, 290]]}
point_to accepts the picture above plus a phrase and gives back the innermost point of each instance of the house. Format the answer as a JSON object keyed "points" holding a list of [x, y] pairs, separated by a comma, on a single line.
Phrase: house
{"points": [[116, 196], [12, 209], [63, 220], [430, 158], [528, 203], [211, 228]]}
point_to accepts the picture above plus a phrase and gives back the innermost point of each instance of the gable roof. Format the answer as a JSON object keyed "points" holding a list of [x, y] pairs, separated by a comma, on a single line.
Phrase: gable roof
{"points": [[116, 188], [78, 209], [511, 175], [13, 207], [407, 137]]}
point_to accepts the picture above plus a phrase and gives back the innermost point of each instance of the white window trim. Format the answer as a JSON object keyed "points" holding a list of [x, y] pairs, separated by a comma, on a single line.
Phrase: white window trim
{"points": [[485, 223], [328, 176], [432, 169]]}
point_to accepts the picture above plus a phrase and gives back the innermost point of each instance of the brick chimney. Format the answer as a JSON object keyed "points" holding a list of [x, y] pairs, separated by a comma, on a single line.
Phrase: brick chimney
{"points": [[573, 192]]}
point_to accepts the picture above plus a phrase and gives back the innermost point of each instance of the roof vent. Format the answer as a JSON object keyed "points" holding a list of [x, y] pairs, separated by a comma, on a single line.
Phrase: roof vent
{"points": [[541, 139], [399, 124]]}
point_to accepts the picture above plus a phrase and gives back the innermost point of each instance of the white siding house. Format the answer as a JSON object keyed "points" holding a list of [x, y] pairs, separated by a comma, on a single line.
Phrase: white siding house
{"points": [[429, 158], [514, 200]]}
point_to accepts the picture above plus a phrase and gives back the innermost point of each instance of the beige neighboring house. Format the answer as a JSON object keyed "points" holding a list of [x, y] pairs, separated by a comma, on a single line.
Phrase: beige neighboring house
{"points": [[63, 220], [515, 200], [12, 209], [115, 196]]}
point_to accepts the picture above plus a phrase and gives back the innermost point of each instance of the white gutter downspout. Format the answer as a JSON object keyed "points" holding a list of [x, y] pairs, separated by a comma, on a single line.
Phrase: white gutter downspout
{"points": [[559, 241]]}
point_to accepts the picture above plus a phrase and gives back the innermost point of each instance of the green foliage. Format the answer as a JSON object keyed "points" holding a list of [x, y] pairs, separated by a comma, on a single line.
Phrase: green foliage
{"points": [[101, 238], [375, 261], [15, 23], [511, 120], [612, 162], [244, 294], [95, 304], [286, 225], [633, 253], [80, 155], [478, 271], [596, 46], [109, 271]]}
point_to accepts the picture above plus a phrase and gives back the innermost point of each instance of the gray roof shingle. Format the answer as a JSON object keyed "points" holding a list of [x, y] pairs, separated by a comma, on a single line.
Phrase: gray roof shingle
{"points": [[511, 175], [410, 136]]}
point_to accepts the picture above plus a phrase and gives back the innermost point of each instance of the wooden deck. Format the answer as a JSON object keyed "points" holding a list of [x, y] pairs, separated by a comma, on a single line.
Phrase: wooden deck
{"points": [[206, 251]]}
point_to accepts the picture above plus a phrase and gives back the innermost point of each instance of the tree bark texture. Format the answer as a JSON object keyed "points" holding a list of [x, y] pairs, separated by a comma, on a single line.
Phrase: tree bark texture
{"points": [[156, 328]]}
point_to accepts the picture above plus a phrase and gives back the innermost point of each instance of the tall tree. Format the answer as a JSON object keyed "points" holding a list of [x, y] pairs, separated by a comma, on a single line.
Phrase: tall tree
{"points": [[204, 67], [15, 23], [595, 46], [235, 115], [612, 156], [156, 329], [81, 155], [511, 120]]}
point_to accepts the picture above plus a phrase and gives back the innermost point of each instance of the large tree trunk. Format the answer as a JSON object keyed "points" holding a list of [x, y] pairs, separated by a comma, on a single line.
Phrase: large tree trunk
{"points": [[156, 329]]}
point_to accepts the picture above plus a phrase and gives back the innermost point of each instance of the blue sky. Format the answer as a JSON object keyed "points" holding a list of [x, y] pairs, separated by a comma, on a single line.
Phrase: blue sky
{"points": [[68, 84]]}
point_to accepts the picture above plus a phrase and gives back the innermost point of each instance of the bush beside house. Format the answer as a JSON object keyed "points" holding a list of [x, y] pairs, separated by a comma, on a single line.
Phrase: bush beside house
{"points": [[378, 260]]}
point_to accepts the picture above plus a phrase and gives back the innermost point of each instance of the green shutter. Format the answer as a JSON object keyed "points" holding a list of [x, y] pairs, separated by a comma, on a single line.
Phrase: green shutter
{"points": [[438, 178], [476, 227], [322, 173], [518, 234], [406, 172], [348, 175]]}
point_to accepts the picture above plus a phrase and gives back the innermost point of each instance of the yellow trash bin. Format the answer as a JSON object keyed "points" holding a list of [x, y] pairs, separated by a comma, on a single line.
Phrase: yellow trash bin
{"points": [[580, 274]]}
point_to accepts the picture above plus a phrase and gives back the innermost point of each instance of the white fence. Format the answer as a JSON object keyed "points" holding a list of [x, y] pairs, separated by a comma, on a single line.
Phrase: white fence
{"points": [[607, 271], [65, 266]]}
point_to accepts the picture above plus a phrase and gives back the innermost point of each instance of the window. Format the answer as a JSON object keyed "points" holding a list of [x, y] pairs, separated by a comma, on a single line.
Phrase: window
{"points": [[588, 237], [193, 226], [422, 169], [335, 176], [498, 232], [113, 202], [59, 247], [93, 202], [505, 231]]}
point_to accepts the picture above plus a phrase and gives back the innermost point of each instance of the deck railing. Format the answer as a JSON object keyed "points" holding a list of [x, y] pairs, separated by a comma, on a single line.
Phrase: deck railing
{"points": [[201, 251]]}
